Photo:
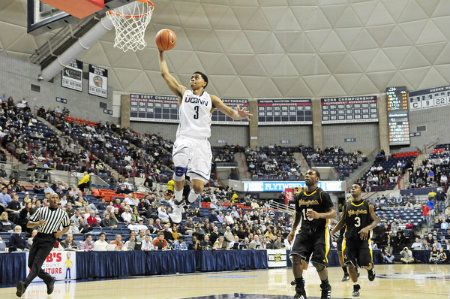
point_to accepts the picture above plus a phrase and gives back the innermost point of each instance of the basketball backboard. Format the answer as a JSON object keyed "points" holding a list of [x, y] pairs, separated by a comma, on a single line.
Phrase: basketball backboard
{"points": [[42, 17]]}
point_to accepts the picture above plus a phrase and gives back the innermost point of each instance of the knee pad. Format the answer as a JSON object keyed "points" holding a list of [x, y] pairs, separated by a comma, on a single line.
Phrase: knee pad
{"points": [[179, 173], [319, 267]]}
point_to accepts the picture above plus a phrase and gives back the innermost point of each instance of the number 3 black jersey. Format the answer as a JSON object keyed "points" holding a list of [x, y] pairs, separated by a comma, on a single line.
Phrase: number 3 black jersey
{"points": [[357, 216]]}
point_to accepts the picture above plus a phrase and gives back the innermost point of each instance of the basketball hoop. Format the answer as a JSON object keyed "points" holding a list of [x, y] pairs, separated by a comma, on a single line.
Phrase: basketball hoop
{"points": [[131, 21]]}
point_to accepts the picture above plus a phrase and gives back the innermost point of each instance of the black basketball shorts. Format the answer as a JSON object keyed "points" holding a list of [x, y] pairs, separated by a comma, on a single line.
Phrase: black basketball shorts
{"points": [[312, 245], [357, 252]]}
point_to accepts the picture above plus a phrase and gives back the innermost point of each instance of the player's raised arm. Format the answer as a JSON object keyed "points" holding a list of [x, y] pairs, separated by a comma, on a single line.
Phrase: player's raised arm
{"points": [[173, 84], [235, 114]]}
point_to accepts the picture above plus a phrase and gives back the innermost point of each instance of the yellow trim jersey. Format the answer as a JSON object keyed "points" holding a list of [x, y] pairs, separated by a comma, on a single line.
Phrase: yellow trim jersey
{"points": [[319, 201], [357, 216]]}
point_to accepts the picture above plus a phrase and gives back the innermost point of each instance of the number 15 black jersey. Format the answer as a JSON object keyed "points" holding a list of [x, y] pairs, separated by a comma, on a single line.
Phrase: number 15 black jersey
{"points": [[319, 201]]}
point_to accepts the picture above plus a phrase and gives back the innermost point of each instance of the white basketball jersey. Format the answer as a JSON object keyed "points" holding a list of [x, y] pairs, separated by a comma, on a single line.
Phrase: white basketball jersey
{"points": [[195, 115]]}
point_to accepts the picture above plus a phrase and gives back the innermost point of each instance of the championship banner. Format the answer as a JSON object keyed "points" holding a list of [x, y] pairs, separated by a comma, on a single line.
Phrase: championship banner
{"points": [[153, 108], [361, 109], [276, 258], [72, 75], [272, 112], [429, 98], [98, 81], [62, 265], [218, 118]]}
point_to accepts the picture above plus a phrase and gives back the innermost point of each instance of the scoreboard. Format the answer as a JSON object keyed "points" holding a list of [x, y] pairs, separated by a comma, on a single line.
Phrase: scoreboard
{"points": [[361, 109], [284, 112], [154, 108], [398, 115], [429, 98]]}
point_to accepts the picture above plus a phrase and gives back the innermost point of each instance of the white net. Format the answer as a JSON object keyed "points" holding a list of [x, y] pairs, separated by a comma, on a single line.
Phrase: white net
{"points": [[131, 21]]}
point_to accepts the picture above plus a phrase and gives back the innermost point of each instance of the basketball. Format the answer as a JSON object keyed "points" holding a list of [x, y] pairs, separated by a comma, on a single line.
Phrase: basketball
{"points": [[165, 39]]}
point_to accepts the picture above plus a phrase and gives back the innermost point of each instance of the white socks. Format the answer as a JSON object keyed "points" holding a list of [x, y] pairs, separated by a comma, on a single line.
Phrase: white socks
{"points": [[192, 196]]}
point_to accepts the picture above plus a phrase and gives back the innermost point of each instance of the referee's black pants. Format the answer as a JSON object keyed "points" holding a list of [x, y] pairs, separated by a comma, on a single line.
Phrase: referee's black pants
{"points": [[42, 245]]}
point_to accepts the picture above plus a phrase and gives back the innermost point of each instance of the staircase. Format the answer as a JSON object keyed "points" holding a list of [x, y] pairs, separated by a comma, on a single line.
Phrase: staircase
{"points": [[404, 181], [300, 159], [10, 159], [54, 129], [244, 174], [361, 170]]}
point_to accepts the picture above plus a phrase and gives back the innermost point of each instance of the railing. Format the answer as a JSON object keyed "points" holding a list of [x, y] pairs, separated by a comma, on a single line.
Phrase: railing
{"points": [[50, 47], [279, 207]]}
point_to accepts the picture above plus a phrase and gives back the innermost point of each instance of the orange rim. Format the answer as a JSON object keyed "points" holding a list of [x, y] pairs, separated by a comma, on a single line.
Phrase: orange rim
{"points": [[150, 3]]}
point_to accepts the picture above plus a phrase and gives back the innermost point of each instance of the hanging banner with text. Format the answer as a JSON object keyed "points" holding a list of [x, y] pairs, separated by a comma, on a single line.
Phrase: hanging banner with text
{"points": [[72, 75], [346, 110], [62, 265], [272, 112], [98, 81], [155, 108]]}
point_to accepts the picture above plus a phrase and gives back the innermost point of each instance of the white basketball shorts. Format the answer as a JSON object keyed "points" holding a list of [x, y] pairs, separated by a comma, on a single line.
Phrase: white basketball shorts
{"points": [[193, 154]]}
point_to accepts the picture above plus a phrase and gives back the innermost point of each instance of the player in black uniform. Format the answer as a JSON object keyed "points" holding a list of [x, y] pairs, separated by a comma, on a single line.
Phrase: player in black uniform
{"points": [[359, 218], [313, 208]]}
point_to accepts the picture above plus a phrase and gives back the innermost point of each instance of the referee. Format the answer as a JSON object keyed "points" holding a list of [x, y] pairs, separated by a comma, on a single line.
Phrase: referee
{"points": [[49, 221]]}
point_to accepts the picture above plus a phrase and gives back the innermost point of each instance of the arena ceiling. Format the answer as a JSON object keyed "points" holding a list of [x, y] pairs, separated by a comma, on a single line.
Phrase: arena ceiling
{"points": [[275, 48]]}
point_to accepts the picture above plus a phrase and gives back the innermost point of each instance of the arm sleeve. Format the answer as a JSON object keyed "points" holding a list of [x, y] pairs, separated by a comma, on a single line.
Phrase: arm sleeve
{"points": [[326, 201], [66, 221], [36, 216]]}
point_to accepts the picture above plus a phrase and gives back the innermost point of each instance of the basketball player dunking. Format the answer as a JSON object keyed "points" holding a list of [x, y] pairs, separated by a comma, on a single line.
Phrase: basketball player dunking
{"points": [[191, 151], [359, 218]]}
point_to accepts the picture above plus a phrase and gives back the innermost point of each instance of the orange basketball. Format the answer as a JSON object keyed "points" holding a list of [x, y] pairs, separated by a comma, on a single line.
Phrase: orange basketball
{"points": [[165, 39]]}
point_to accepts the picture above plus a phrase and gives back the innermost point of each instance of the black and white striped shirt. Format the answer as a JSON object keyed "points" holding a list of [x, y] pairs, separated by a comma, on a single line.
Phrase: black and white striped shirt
{"points": [[55, 219]]}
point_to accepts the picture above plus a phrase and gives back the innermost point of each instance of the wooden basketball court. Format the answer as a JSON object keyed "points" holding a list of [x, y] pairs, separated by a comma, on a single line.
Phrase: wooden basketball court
{"points": [[393, 281]]}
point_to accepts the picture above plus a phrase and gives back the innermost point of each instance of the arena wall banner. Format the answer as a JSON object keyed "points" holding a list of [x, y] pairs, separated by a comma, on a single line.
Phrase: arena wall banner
{"points": [[98, 81], [273, 112], [360, 109], [276, 258], [164, 108], [280, 186], [59, 264], [153, 108], [429, 98], [218, 118], [72, 75]]}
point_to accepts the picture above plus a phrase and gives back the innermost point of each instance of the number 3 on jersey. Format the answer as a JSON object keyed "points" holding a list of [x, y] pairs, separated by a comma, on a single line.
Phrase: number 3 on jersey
{"points": [[196, 109], [357, 221]]}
